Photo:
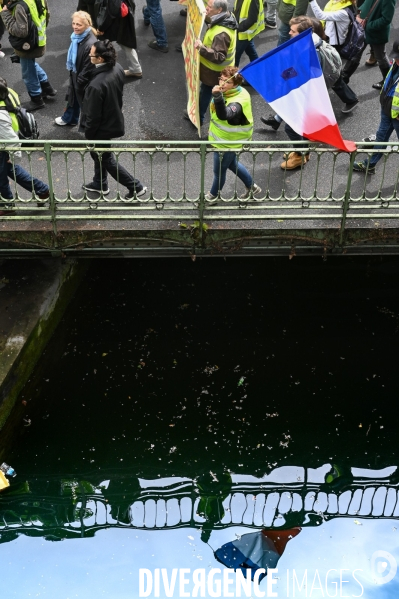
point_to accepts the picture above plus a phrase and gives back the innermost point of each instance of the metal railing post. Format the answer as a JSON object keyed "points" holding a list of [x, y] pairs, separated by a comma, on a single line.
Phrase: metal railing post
{"points": [[347, 197], [47, 151], [201, 206]]}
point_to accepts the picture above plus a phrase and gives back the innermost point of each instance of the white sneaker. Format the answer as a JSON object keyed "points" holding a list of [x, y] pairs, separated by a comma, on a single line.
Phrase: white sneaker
{"points": [[209, 197], [59, 121], [2, 55], [255, 190]]}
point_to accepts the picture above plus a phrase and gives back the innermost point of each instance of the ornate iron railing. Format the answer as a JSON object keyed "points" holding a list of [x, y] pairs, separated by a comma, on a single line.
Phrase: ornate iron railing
{"points": [[80, 508], [178, 175]]}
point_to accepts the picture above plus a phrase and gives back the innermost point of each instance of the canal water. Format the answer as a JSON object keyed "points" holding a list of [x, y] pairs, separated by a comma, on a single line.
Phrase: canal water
{"points": [[190, 419]]}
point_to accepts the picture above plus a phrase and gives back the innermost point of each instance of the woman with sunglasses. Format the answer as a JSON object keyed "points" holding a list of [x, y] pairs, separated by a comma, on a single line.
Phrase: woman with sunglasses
{"points": [[231, 121]]}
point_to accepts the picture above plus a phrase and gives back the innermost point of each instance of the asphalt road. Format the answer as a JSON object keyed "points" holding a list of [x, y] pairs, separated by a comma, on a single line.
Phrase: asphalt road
{"points": [[153, 106]]}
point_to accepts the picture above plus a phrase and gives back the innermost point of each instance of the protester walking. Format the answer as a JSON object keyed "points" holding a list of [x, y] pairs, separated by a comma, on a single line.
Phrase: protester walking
{"points": [[231, 121], [79, 66], [102, 109], [26, 22], [389, 100], [120, 28], [152, 13], [376, 17], [251, 22], [217, 51], [11, 169]]}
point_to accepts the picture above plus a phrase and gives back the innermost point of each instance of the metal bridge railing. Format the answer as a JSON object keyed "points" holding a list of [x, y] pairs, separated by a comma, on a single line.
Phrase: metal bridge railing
{"points": [[178, 175]]}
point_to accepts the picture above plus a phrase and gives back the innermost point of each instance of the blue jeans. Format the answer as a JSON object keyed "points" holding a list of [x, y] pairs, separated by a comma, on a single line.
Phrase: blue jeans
{"points": [[153, 14], [294, 136], [20, 175], [283, 33], [385, 129], [229, 161], [32, 75], [71, 114], [204, 100], [248, 47]]}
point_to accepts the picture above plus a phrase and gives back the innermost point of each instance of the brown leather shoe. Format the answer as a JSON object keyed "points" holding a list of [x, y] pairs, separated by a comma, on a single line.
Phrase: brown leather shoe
{"points": [[294, 160]]}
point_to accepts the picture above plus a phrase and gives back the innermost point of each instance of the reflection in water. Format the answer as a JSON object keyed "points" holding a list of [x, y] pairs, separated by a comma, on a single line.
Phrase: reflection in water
{"points": [[169, 392], [287, 497]]}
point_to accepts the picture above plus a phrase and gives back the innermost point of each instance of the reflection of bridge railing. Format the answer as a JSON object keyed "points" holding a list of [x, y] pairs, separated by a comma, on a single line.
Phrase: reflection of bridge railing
{"points": [[164, 504], [323, 197]]}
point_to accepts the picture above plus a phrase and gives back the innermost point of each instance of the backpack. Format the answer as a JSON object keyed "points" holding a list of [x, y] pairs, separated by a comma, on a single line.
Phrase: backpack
{"points": [[31, 41], [354, 40], [27, 125], [330, 62]]}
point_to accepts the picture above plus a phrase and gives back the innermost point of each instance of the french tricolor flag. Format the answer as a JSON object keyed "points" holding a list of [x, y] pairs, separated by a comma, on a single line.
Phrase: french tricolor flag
{"points": [[290, 79]]}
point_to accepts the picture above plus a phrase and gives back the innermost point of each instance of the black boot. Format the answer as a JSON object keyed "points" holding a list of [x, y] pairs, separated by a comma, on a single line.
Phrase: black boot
{"points": [[35, 103], [48, 90]]}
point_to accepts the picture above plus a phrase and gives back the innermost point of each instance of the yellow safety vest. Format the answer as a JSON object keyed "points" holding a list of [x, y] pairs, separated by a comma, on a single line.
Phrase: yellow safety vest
{"points": [[208, 40], [13, 96], [395, 97], [40, 22], [222, 131], [256, 27], [293, 2]]}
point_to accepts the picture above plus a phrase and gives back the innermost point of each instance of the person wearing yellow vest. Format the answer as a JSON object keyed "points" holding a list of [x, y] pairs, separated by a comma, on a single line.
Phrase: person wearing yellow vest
{"points": [[286, 10], [231, 121], [251, 21], [18, 17], [12, 170], [217, 51], [389, 100]]}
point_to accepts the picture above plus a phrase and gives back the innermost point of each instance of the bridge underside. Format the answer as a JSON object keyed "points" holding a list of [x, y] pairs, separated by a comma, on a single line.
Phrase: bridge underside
{"points": [[150, 235]]}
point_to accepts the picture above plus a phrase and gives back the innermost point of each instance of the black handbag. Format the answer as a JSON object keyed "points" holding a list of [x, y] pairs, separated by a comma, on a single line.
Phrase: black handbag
{"points": [[104, 18]]}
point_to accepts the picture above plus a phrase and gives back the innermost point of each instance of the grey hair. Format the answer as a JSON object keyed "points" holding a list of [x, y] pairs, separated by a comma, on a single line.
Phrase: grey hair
{"points": [[223, 4]]}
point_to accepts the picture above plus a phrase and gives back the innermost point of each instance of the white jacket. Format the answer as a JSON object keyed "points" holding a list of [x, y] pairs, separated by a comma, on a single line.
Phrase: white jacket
{"points": [[339, 18], [6, 130]]}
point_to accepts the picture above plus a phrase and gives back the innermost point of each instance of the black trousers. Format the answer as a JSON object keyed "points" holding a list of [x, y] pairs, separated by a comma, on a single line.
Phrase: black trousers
{"points": [[105, 164]]}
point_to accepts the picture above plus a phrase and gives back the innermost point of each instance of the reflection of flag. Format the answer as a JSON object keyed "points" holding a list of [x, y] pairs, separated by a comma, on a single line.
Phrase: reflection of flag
{"points": [[291, 80], [256, 550]]}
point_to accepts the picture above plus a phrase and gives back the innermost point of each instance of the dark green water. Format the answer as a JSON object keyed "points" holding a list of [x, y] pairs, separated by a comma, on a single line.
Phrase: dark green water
{"points": [[183, 405]]}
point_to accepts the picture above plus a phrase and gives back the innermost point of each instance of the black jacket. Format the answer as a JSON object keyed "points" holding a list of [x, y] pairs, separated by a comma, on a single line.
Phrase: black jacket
{"points": [[84, 70], [122, 29], [102, 103]]}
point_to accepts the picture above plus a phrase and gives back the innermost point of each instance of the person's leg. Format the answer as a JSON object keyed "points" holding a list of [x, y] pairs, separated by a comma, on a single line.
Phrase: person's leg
{"points": [[294, 136], [132, 59], [120, 174], [344, 92], [204, 100], [351, 65], [240, 48], [250, 51], [271, 14], [382, 58], [239, 169], [25, 179], [71, 113], [41, 75], [154, 15], [30, 76], [5, 189], [220, 165], [283, 33], [100, 177], [383, 134]]}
